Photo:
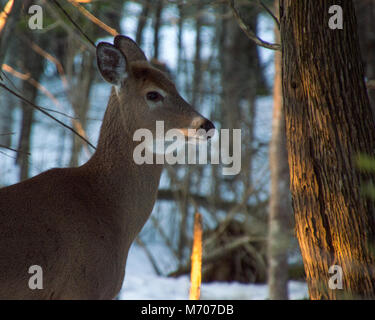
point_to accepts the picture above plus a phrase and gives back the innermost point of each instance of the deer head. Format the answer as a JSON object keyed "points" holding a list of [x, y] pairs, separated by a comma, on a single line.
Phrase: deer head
{"points": [[145, 94]]}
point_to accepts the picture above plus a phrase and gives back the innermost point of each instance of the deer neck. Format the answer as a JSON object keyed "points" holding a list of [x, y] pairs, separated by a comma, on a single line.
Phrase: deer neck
{"points": [[129, 187]]}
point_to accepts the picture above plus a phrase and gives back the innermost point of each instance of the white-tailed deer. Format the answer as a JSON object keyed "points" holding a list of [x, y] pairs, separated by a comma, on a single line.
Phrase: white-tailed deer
{"points": [[77, 224]]}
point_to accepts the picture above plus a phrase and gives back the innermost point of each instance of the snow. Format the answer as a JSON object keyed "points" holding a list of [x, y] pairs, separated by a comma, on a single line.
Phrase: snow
{"points": [[141, 283]]}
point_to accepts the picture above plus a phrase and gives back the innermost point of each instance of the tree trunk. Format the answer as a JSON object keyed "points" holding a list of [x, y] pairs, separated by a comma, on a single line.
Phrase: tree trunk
{"points": [[80, 99], [142, 19], [328, 123], [279, 223], [157, 27], [6, 112], [30, 63]]}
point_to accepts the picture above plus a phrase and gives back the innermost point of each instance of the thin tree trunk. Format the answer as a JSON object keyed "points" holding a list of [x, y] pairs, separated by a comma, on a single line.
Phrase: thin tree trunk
{"points": [[142, 19], [24, 144], [6, 112], [8, 29], [157, 26], [184, 204], [80, 99], [25, 138], [181, 19], [197, 79], [279, 222], [328, 123], [32, 64]]}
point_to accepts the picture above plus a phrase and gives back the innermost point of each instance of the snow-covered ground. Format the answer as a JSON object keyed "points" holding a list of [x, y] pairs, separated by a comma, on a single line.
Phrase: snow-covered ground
{"points": [[141, 283]]}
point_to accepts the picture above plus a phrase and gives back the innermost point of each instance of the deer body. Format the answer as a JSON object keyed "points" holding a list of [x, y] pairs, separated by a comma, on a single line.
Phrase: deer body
{"points": [[78, 223]]}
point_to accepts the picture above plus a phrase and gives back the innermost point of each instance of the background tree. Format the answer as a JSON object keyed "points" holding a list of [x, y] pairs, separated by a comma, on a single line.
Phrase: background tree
{"points": [[7, 26], [280, 211]]}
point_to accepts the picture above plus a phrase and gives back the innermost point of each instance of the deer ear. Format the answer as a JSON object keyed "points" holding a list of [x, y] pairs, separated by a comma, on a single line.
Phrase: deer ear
{"points": [[111, 63], [129, 48]]}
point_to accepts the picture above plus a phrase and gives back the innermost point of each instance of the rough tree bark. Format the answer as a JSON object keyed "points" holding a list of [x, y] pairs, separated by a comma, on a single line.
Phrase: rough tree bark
{"points": [[279, 220], [328, 122]]}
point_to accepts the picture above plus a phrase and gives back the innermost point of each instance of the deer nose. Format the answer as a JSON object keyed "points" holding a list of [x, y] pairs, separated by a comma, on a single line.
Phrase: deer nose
{"points": [[207, 126]]}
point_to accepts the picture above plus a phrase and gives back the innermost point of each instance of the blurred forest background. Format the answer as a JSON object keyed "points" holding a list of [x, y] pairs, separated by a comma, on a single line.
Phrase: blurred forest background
{"points": [[248, 228]]}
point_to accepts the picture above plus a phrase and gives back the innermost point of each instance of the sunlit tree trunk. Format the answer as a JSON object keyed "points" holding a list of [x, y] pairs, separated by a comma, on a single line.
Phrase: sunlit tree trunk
{"points": [[328, 122]]}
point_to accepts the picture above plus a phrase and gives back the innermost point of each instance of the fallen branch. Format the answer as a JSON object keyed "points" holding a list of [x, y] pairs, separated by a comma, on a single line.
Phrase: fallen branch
{"points": [[215, 254], [203, 201]]}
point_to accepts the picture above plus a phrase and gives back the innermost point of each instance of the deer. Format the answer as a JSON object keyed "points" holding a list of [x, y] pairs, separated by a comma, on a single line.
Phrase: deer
{"points": [[77, 224]]}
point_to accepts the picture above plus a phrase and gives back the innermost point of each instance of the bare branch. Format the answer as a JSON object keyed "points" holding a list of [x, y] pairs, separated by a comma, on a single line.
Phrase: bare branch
{"points": [[269, 11], [67, 27], [46, 113], [15, 150], [94, 19], [203, 201], [73, 22], [250, 34], [139, 241], [27, 77], [216, 254]]}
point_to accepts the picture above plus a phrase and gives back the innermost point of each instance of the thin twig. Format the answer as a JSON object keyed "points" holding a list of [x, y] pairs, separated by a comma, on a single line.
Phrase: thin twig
{"points": [[27, 77], [164, 236], [15, 150], [139, 241], [250, 34], [51, 58], [47, 114], [67, 27], [8, 79], [7, 155], [94, 19], [73, 22], [269, 11]]}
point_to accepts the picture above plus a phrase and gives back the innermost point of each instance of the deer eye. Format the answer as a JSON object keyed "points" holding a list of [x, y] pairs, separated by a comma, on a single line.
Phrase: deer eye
{"points": [[154, 96]]}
